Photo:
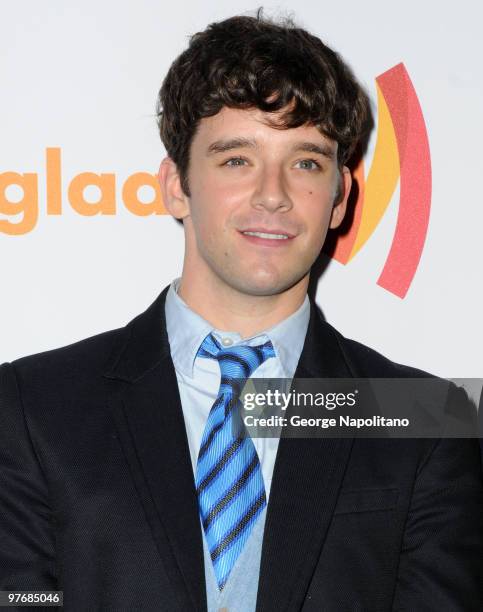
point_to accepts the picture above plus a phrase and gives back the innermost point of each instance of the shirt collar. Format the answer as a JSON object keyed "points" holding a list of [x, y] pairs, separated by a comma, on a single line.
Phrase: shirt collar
{"points": [[187, 330]]}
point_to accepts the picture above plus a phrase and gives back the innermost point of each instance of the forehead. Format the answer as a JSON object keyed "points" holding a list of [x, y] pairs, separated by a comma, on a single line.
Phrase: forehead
{"points": [[254, 124]]}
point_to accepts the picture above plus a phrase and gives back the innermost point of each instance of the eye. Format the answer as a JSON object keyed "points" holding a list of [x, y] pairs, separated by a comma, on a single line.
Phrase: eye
{"points": [[235, 162], [308, 164]]}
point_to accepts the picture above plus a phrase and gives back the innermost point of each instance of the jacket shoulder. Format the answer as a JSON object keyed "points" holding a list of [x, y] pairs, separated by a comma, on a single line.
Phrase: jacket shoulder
{"points": [[82, 358], [365, 362]]}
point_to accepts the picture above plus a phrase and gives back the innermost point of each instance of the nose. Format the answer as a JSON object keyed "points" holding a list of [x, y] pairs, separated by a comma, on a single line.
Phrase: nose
{"points": [[271, 191]]}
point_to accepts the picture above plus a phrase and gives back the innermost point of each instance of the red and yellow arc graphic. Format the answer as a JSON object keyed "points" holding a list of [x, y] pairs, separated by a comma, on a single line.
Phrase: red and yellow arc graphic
{"points": [[401, 153]]}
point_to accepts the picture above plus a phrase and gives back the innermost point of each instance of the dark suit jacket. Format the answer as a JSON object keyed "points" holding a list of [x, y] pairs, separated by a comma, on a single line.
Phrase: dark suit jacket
{"points": [[97, 493], [480, 423]]}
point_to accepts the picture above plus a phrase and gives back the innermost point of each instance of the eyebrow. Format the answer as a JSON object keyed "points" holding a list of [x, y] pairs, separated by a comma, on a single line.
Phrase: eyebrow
{"points": [[311, 147], [222, 146]]}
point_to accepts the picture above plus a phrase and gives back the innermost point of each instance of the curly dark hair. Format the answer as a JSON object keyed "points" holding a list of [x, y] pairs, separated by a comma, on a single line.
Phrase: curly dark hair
{"points": [[252, 62]]}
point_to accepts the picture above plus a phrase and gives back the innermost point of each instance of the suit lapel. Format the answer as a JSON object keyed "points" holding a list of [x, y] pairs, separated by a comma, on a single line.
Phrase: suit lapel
{"points": [[151, 427], [306, 482]]}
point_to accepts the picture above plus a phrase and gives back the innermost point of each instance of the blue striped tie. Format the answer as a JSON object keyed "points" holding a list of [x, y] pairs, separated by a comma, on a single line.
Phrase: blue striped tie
{"points": [[229, 480]]}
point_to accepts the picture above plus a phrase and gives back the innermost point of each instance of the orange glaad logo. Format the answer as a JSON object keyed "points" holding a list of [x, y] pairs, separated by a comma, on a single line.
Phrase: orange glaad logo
{"points": [[401, 153]]}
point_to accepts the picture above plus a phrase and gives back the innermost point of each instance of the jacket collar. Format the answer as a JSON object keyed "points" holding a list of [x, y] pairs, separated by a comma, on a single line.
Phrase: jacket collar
{"points": [[144, 345]]}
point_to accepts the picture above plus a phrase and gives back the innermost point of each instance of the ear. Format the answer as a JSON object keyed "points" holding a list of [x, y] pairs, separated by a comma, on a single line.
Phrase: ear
{"points": [[340, 205], [175, 200]]}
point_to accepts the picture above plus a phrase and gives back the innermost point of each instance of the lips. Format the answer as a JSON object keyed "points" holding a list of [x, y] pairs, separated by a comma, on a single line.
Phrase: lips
{"points": [[268, 234], [267, 237]]}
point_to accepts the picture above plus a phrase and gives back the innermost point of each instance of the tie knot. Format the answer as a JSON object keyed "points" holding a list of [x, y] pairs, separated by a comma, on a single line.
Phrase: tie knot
{"points": [[236, 361]]}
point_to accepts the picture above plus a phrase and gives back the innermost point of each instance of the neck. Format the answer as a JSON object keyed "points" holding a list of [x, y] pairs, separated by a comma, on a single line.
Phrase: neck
{"points": [[230, 310]]}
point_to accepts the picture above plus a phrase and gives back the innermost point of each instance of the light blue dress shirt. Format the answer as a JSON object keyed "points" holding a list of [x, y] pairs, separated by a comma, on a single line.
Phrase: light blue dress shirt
{"points": [[199, 382]]}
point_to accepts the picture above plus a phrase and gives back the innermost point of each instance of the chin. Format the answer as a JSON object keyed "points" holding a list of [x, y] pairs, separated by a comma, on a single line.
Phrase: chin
{"points": [[263, 286]]}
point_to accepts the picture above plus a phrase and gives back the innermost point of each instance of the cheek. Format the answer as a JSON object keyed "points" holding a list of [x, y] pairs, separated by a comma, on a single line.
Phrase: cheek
{"points": [[317, 207], [217, 196], [316, 219], [228, 185], [209, 218], [215, 209]]}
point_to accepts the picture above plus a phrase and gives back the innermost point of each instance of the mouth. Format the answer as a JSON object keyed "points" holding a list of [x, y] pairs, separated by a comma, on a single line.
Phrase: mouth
{"points": [[265, 237]]}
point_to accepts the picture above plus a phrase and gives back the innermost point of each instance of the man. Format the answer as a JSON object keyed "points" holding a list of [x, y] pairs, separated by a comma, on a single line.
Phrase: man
{"points": [[121, 484]]}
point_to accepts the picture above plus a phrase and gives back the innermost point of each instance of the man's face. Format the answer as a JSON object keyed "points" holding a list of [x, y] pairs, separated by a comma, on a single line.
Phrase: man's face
{"points": [[261, 201]]}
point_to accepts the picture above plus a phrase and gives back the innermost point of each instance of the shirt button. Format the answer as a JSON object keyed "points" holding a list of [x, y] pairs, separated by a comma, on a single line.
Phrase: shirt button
{"points": [[226, 341]]}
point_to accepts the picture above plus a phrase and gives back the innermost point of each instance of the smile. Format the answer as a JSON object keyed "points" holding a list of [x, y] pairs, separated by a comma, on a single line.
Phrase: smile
{"points": [[265, 235], [265, 238]]}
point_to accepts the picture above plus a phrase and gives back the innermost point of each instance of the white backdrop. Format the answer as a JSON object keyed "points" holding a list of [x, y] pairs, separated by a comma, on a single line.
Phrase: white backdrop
{"points": [[83, 77]]}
